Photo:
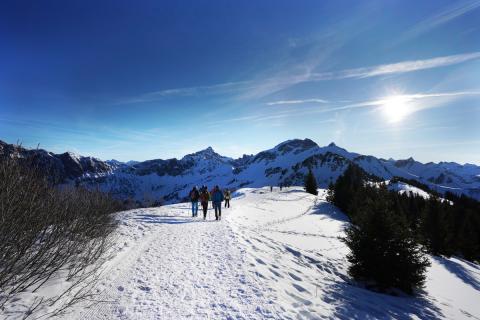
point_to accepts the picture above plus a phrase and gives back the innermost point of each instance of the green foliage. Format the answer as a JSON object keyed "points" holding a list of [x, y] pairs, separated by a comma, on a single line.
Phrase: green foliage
{"points": [[447, 228], [311, 183], [383, 249], [384, 246]]}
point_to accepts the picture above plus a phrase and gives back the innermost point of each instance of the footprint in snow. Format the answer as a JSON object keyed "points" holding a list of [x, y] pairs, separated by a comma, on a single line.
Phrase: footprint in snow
{"points": [[275, 273], [294, 277], [299, 288]]}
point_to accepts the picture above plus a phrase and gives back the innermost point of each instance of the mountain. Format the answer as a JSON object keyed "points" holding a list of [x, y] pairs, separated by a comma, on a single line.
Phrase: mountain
{"points": [[60, 168], [169, 180]]}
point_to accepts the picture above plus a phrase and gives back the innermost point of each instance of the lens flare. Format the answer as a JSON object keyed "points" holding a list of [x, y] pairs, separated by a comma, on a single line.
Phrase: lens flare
{"points": [[396, 108]]}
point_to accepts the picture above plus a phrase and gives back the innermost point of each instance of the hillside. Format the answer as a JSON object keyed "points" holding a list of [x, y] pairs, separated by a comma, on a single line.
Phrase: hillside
{"points": [[274, 255]]}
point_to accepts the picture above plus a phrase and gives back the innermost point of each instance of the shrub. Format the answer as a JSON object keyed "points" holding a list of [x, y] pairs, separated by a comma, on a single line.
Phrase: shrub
{"points": [[45, 230]]}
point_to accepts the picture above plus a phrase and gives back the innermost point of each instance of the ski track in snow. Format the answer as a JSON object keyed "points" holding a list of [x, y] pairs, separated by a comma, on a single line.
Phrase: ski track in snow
{"points": [[274, 255]]}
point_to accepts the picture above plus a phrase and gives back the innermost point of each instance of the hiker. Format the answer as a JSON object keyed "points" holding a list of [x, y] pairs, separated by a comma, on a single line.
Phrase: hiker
{"points": [[281, 186], [211, 197], [217, 198], [194, 196], [271, 188], [227, 197], [204, 197]]}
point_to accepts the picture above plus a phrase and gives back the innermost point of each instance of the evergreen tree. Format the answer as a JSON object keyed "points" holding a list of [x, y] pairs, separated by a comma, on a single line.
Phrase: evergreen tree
{"points": [[311, 183], [468, 240], [383, 249], [434, 228], [449, 227]]}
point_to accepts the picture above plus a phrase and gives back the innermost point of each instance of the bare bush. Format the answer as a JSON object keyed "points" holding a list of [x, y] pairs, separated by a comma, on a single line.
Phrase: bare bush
{"points": [[45, 230]]}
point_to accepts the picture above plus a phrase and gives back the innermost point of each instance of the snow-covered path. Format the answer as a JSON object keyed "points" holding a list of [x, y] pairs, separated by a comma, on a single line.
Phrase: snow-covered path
{"points": [[178, 267], [274, 255]]}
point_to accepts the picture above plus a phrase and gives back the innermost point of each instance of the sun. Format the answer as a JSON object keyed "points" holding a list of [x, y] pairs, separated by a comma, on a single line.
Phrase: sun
{"points": [[396, 108]]}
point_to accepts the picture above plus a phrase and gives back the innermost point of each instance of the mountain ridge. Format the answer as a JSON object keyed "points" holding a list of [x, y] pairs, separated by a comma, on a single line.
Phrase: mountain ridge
{"points": [[287, 163]]}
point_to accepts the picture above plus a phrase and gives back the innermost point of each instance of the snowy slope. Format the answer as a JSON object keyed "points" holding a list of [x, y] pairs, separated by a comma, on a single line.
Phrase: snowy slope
{"points": [[274, 255], [405, 188]]}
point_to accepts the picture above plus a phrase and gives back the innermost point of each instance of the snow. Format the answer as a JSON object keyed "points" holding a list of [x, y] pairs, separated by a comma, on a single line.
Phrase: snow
{"points": [[274, 255], [403, 187]]}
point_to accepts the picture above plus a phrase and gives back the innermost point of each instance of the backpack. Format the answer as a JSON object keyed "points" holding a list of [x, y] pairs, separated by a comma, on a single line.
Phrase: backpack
{"points": [[204, 196], [194, 195]]}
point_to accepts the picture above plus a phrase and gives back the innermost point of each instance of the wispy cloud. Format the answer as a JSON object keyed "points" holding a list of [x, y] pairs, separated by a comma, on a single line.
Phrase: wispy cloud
{"points": [[279, 102], [278, 83], [407, 98], [452, 12], [435, 100], [219, 88], [262, 117], [407, 66], [251, 89]]}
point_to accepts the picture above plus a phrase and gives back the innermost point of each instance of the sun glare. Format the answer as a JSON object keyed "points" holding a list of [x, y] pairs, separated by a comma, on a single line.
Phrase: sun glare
{"points": [[396, 108]]}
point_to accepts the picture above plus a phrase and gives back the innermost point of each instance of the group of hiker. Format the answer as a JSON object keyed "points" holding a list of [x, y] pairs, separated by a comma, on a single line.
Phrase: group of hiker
{"points": [[216, 196]]}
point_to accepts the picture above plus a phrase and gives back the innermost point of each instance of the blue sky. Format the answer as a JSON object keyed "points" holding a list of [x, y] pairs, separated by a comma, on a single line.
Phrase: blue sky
{"points": [[159, 79]]}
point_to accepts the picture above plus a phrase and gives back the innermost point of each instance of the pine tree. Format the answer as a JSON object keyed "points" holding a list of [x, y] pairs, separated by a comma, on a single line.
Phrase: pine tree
{"points": [[347, 186], [383, 249], [434, 228], [311, 183]]}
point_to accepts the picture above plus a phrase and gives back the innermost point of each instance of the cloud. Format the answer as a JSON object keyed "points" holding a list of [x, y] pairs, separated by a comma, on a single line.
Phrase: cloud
{"points": [[273, 103], [407, 98], [219, 88], [454, 11], [271, 85], [257, 88], [406, 66]]}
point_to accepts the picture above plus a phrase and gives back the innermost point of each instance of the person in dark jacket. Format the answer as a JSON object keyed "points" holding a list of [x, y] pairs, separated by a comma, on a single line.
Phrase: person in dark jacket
{"points": [[217, 198], [204, 197], [227, 196], [211, 197], [194, 196]]}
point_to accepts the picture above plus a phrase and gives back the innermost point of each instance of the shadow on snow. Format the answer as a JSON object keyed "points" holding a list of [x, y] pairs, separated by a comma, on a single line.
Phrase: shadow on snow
{"points": [[152, 218], [460, 271], [329, 210], [353, 302]]}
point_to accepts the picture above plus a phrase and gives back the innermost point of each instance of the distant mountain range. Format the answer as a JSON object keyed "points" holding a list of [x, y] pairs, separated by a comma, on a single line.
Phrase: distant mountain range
{"points": [[170, 180]]}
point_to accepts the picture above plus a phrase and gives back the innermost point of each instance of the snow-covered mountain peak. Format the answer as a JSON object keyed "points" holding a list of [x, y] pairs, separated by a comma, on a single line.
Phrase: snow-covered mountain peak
{"points": [[406, 163], [206, 154], [296, 145], [333, 148]]}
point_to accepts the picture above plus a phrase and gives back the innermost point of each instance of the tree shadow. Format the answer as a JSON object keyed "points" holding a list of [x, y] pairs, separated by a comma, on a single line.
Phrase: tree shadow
{"points": [[354, 302], [331, 211], [467, 276]]}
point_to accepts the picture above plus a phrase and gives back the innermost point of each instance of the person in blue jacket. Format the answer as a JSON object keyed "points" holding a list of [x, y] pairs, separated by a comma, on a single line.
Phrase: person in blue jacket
{"points": [[217, 198]]}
